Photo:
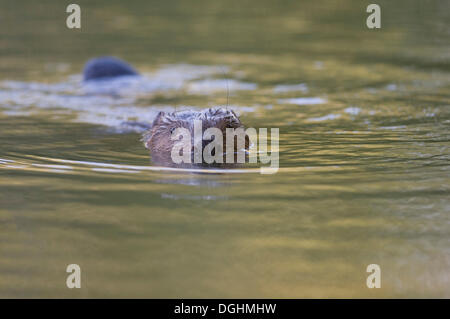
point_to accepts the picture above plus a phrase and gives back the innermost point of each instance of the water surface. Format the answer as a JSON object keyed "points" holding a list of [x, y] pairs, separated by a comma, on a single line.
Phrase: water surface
{"points": [[364, 150]]}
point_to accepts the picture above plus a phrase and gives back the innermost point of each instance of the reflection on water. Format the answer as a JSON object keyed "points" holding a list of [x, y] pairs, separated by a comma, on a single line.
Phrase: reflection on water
{"points": [[364, 151]]}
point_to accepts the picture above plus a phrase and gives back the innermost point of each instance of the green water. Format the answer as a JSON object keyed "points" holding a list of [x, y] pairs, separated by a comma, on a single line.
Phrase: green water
{"points": [[364, 173]]}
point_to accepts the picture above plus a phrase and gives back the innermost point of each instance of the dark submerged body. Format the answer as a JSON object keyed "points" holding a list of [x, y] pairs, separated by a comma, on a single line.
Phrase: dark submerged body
{"points": [[104, 68]]}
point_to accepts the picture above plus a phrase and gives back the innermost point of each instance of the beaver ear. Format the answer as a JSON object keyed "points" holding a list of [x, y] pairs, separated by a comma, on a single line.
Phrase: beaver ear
{"points": [[158, 118]]}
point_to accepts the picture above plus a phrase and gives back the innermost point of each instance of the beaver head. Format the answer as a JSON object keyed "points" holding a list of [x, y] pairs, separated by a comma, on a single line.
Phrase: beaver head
{"points": [[160, 141]]}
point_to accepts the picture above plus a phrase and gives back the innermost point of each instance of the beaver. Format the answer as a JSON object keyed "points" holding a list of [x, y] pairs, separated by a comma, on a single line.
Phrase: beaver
{"points": [[158, 135], [158, 139], [107, 68]]}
